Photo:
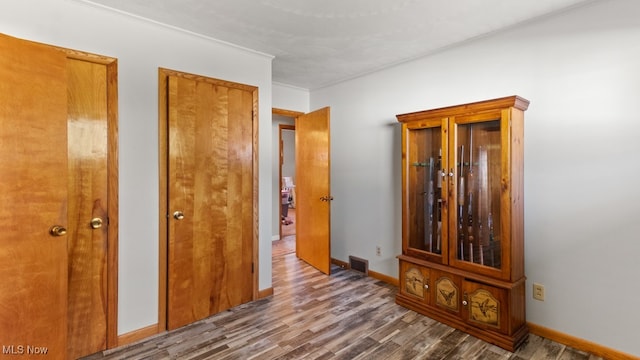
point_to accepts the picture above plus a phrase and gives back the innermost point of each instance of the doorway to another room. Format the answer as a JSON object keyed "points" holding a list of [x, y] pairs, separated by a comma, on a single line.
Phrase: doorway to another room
{"points": [[311, 186], [286, 243]]}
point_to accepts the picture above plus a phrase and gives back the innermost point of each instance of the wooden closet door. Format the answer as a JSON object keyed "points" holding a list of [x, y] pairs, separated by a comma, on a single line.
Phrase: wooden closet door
{"points": [[33, 199], [210, 198], [88, 205]]}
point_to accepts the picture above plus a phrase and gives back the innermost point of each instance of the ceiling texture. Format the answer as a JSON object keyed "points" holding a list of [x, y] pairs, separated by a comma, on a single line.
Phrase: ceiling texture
{"points": [[317, 43]]}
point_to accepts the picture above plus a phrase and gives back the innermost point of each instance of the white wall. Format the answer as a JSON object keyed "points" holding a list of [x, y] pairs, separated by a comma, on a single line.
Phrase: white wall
{"points": [[287, 97], [580, 71], [289, 154], [141, 47]]}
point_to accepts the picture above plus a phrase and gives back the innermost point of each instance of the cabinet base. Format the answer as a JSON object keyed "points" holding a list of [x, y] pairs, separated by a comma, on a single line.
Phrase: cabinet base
{"points": [[507, 342]]}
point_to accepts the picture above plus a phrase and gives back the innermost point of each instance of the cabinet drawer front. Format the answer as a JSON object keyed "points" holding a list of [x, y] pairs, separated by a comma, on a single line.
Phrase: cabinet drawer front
{"points": [[415, 282], [485, 306], [446, 294]]}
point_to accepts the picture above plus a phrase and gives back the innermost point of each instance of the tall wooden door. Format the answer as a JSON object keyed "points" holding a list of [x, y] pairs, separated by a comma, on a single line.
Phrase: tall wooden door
{"points": [[33, 199], [313, 209], [87, 207], [210, 197], [57, 152]]}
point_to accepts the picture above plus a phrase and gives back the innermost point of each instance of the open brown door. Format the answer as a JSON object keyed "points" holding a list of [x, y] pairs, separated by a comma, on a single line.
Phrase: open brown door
{"points": [[33, 199], [210, 199], [313, 191]]}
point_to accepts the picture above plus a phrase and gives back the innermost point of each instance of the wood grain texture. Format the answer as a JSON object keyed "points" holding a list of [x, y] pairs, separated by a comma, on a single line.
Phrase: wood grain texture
{"points": [[314, 316], [284, 246], [288, 113], [138, 335], [517, 193], [81, 68], [88, 188], [464, 109], [114, 205], [313, 183], [181, 110], [210, 180], [256, 191], [163, 179], [33, 197]]}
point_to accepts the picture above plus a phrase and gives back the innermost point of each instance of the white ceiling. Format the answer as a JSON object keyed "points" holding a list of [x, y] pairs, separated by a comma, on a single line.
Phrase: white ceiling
{"points": [[321, 42]]}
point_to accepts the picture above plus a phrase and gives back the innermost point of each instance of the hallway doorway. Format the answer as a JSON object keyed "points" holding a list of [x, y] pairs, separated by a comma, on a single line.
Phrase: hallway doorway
{"points": [[310, 184], [286, 243]]}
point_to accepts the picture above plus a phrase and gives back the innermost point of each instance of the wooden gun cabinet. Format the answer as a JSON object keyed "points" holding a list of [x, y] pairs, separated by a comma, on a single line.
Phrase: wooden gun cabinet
{"points": [[462, 259]]}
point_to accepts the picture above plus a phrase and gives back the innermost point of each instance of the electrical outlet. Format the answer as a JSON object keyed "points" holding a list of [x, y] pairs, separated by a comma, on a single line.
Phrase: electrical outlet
{"points": [[378, 251], [538, 291]]}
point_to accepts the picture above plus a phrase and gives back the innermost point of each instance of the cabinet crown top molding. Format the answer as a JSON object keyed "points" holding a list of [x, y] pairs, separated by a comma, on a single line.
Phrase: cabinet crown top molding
{"points": [[457, 110]]}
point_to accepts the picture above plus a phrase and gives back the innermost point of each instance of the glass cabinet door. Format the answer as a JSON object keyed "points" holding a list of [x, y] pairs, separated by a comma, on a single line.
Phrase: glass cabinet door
{"points": [[477, 200], [424, 174]]}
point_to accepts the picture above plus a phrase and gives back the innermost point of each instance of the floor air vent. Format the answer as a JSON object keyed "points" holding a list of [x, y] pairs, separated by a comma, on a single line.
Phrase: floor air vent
{"points": [[359, 264]]}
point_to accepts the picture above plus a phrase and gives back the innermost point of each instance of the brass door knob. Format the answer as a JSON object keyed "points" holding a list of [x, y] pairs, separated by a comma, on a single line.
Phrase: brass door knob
{"points": [[178, 215], [96, 223], [58, 230]]}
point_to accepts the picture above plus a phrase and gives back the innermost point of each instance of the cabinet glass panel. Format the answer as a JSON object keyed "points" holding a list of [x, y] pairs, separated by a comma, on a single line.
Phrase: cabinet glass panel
{"points": [[425, 184], [478, 159]]}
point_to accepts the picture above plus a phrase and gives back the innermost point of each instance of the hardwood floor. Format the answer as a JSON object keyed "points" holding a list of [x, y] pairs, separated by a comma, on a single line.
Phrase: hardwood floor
{"points": [[314, 316], [284, 246], [287, 243], [289, 223]]}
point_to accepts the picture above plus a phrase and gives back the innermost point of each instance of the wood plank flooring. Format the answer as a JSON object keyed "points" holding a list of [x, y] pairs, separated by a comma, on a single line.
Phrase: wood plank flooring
{"points": [[287, 242], [290, 227], [284, 246], [314, 316]]}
